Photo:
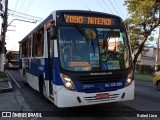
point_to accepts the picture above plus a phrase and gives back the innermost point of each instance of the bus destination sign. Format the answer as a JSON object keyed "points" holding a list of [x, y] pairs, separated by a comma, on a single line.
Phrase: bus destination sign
{"points": [[87, 20], [14, 52]]}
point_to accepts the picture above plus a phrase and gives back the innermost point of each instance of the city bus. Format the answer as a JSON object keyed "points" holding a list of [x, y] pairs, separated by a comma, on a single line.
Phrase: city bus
{"points": [[12, 60], [76, 58]]}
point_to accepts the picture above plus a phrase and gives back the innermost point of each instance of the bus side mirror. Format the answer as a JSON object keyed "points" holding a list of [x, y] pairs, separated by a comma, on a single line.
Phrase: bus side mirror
{"points": [[53, 33], [7, 56]]}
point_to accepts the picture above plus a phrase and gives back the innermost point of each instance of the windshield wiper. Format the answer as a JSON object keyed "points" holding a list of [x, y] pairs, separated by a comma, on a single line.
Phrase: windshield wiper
{"points": [[92, 43], [87, 38]]}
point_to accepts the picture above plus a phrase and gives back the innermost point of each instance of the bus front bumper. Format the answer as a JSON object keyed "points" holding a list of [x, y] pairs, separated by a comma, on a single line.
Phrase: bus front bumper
{"points": [[66, 98]]}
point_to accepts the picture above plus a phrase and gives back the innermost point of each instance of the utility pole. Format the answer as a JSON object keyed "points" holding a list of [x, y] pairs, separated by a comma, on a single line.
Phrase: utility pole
{"points": [[3, 33], [157, 51], [158, 45]]}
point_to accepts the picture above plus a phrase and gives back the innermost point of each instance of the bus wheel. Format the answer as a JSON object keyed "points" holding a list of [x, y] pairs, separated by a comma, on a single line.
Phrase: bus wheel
{"points": [[24, 77], [26, 84], [42, 87], [44, 90]]}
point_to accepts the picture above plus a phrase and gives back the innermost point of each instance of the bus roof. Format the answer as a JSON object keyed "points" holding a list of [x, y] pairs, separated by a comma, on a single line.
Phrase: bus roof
{"points": [[95, 13], [12, 52], [86, 12]]}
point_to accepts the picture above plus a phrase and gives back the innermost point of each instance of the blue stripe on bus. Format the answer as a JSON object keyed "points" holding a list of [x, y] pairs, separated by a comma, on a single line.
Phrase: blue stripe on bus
{"points": [[100, 87], [36, 68], [57, 79]]}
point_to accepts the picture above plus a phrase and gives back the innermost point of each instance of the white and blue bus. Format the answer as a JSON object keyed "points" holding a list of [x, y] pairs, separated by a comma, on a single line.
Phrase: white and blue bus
{"points": [[77, 58]]}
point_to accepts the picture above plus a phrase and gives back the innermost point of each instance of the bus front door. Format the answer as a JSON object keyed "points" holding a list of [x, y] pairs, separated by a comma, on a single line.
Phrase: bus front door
{"points": [[50, 62]]}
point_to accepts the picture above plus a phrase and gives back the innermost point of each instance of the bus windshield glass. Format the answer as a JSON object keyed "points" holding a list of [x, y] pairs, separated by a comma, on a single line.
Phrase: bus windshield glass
{"points": [[13, 57], [93, 49]]}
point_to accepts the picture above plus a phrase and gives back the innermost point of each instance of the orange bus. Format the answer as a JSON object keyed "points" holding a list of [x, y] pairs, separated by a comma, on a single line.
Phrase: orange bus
{"points": [[12, 59]]}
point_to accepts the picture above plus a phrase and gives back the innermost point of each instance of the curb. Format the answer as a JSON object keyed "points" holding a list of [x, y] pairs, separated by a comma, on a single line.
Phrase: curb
{"points": [[24, 106], [9, 85]]}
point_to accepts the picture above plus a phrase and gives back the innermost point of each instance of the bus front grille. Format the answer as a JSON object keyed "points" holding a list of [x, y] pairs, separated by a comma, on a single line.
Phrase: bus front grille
{"points": [[98, 79], [94, 99]]}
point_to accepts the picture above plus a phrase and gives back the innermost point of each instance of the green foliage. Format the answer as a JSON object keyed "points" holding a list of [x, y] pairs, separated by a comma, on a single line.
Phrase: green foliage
{"points": [[3, 75], [142, 22], [145, 77], [146, 69]]}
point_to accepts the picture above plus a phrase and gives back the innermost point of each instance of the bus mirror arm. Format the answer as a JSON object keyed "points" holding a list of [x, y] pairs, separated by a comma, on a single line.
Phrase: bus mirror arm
{"points": [[53, 33]]}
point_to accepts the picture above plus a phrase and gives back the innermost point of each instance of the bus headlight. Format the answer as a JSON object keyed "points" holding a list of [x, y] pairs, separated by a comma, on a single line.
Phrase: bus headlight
{"points": [[10, 65], [68, 84], [129, 79]]}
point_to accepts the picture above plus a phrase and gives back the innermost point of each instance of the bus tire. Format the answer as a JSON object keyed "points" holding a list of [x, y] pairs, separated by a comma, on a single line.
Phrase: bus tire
{"points": [[42, 87], [26, 84], [24, 77]]}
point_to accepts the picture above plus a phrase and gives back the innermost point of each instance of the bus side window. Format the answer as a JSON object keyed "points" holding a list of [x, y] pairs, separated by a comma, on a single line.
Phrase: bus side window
{"points": [[33, 45], [29, 47], [39, 45], [24, 49], [50, 44]]}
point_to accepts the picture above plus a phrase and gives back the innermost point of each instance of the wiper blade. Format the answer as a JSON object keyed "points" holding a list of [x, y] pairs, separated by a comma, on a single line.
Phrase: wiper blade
{"points": [[92, 43], [87, 38]]}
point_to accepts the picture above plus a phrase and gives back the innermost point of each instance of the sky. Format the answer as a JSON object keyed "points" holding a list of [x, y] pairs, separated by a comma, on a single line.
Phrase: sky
{"points": [[42, 8]]}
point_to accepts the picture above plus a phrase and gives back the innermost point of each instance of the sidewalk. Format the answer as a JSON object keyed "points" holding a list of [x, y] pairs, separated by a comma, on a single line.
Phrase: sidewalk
{"points": [[5, 85], [8, 101], [11, 100]]}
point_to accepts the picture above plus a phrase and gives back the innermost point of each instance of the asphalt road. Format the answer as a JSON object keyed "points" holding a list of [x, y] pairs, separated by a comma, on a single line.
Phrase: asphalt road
{"points": [[147, 98]]}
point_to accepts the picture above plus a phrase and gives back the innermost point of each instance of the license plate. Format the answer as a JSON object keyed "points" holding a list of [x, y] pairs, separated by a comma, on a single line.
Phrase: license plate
{"points": [[102, 96]]}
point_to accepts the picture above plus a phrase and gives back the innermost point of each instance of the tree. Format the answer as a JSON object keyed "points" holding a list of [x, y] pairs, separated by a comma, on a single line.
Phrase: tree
{"points": [[144, 18]]}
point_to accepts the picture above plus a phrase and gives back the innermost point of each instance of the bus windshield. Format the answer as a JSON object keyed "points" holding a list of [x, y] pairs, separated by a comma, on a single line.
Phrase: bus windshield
{"points": [[93, 49], [13, 57]]}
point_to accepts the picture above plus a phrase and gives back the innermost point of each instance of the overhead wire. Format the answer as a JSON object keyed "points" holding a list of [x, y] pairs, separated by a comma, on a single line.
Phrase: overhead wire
{"points": [[113, 7], [21, 4], [101, 6], [119, 9], [16, 5], [33, 19], [87, 7], [107, 6], [28, 6], [22, 15]]}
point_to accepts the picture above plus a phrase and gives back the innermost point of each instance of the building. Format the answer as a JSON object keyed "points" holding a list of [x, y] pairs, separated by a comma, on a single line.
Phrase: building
{"points": [[148, 56]]}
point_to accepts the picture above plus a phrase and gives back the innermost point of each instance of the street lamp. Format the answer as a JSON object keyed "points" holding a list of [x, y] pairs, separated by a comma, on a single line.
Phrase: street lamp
{"points": [[21, 20]]}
